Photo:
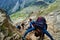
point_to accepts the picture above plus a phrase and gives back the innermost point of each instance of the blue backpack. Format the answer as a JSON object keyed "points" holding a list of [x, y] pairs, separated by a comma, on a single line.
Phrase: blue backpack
{"points": [[40, 23]]}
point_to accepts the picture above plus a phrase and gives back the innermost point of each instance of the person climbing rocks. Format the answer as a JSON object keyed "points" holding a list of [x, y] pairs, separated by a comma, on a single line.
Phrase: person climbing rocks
{"points": [[30, 25], [38, 32], [40, 24]]}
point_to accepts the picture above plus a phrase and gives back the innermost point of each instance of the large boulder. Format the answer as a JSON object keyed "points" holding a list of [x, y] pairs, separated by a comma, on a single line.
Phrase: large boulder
{"points": [[53, 21]]}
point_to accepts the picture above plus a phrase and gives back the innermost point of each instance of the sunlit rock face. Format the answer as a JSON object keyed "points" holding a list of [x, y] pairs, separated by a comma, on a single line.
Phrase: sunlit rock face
{"points": [[53, 21], [1, 36]]}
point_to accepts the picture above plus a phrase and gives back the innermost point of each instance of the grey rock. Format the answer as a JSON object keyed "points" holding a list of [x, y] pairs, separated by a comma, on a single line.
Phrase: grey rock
{"points": [[1, 36]]}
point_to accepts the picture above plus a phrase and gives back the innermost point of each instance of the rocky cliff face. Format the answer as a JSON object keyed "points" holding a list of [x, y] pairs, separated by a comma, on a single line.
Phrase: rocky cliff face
{"points": [[53, 21], [7, 30]]}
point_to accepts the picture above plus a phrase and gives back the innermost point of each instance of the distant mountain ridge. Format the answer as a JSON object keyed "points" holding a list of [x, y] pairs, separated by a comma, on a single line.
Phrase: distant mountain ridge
{"points": [[15, 5]]}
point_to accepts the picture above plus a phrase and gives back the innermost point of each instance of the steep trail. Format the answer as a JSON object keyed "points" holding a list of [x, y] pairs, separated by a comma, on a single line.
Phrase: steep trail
{"points": [[53, 22]]}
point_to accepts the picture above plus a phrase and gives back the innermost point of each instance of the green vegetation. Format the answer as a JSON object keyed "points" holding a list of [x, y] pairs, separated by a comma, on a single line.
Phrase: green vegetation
{"points": [[2, 28], [10, 33], [18, 15], [51, 8], [21, 15]]}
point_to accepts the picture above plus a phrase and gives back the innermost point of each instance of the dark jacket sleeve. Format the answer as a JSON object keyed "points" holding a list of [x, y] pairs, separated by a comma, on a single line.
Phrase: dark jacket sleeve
{"points": [[29, 30]]}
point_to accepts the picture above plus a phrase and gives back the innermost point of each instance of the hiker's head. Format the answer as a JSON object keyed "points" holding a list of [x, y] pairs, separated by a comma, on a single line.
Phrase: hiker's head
{"points": [[30, 19], [2, 16]]}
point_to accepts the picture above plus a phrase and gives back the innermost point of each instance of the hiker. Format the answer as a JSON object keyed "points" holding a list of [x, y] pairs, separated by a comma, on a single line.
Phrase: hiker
{"points": [[38, 32], [30, 25], [39, 26]]}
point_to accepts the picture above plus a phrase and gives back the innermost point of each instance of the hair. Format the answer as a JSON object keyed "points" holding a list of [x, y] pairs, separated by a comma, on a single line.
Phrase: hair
{"points": [[30, 19]]}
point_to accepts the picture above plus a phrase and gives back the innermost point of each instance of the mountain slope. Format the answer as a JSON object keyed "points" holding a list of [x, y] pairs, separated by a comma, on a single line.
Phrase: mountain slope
{"points": [[15, 5]]}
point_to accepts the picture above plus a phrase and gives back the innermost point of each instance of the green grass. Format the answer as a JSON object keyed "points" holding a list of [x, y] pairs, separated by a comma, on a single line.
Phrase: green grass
{"points": [[23, 14], [50, 8], [18, 15]]}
